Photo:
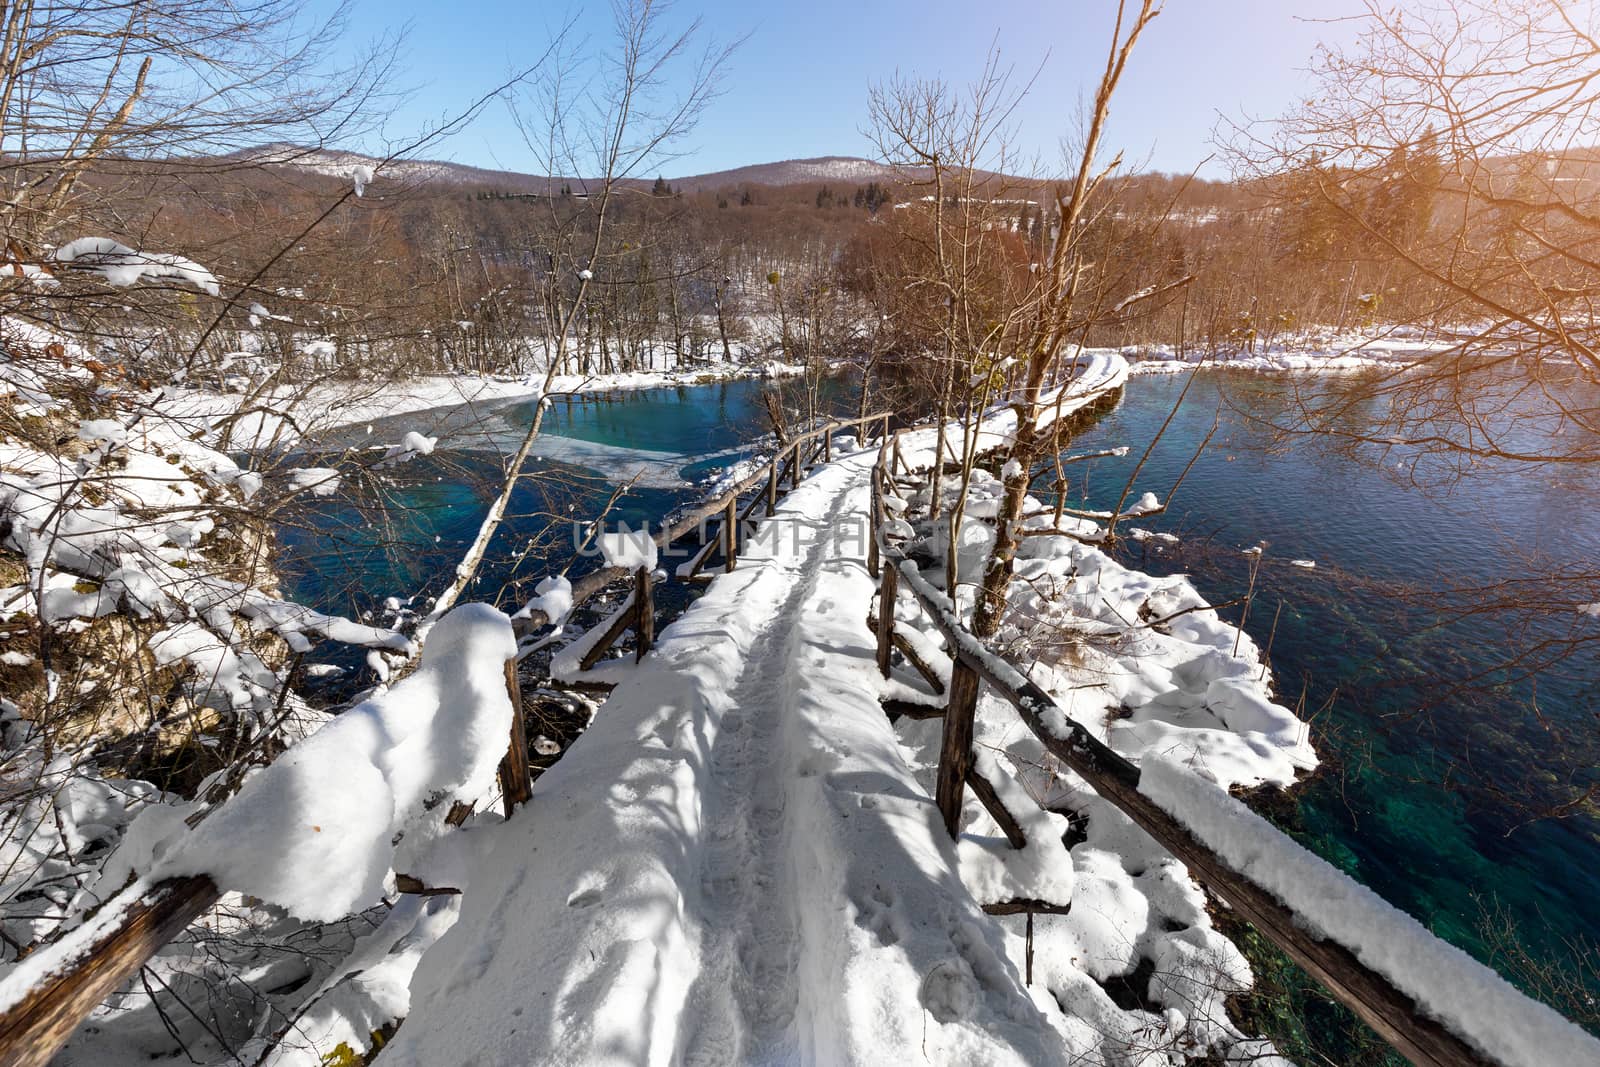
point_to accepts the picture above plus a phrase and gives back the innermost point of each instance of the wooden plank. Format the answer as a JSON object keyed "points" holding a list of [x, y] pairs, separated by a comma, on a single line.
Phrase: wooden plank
{"points": [[516, 779], [905, 709], [887, 594], [36, 1027], [690, 569], [1026, 907], [875, 522], [984, 790], [772, 484], [414, 886], [955, 751], [730, 534], [1027, 978]]}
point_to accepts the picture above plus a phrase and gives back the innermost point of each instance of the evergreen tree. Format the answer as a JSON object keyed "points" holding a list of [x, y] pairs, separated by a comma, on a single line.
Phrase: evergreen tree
{"points": [[660, 188]]}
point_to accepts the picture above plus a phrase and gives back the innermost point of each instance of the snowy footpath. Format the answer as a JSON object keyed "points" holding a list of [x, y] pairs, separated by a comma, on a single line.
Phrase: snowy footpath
{"points": [[736, 864]]}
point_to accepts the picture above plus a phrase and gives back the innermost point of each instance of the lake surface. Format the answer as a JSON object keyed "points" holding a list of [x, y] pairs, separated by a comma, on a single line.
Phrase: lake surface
{"points": [[1433, 780], [401, 531], [1429, 791]]}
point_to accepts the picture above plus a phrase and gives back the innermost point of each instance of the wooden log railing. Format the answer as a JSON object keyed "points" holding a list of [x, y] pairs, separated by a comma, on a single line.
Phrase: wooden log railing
{"points": [[789, 463], [1391, 1012]]}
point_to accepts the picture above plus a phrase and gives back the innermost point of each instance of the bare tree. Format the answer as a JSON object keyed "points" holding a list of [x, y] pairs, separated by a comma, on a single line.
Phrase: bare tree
{"points": [[618, 127], [104, 87], [1060, 312], [1454, 145]]}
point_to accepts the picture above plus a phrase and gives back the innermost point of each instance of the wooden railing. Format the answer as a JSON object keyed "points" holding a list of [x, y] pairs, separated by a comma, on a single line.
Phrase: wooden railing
{"points": [[1372, 996], [789, 462], [101, 956]]}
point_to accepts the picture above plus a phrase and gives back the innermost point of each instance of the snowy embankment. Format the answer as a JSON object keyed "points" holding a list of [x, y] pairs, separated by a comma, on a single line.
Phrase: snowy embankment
{"points": [[1095, 374], [1323, 352], [320, 833]]}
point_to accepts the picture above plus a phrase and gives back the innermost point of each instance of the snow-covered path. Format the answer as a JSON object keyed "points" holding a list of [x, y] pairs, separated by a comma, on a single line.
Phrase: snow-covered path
{"points": [[734, 864]]}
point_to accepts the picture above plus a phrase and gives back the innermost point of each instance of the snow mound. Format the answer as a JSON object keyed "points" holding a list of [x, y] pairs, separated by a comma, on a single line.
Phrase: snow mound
{"points": [[318, 481], [316, 831], [553, 597], [629, 548], [412, 445]]}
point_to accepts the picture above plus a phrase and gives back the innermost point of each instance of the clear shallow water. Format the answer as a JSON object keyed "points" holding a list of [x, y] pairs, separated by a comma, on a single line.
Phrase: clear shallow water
{"points": [[1427, 791]]}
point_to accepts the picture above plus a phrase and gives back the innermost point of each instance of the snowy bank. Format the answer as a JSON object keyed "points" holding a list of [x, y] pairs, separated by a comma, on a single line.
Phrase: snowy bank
{"points": [[1312, 353]]}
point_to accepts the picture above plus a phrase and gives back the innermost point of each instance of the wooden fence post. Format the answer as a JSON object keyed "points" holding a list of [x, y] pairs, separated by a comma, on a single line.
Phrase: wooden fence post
{"points": [[730, 532], [516, 780], [887, 591], [827, 445], [772, 484], [955, 753], [644, 625], [874, 522]]}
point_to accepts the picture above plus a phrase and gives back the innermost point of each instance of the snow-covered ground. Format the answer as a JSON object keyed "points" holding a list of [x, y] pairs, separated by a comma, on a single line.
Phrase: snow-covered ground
{"points": [[734, 864]]}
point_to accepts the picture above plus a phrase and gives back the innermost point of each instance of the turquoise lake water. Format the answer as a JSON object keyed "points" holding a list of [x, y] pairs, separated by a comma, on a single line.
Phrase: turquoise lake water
{"points": [[1431, 780], [401, 531], [1426, 791]]}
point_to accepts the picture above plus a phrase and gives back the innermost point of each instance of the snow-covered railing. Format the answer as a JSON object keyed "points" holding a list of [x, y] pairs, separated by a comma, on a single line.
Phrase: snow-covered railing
{"points": [[317, 831], [1436, 1005], [790, 462]]}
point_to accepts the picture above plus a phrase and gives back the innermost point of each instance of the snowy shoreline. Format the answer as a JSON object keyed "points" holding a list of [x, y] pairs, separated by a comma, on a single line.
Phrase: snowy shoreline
{"points": [[329, 407], [1331, 354], [282, 419]]}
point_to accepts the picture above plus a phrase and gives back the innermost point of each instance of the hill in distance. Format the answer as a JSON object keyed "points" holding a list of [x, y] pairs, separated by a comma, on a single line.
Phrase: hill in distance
{"points": [[845, 170]]}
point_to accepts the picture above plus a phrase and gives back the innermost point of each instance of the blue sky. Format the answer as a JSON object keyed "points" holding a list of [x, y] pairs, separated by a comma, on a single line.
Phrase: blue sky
{"points": [[798, 86]]}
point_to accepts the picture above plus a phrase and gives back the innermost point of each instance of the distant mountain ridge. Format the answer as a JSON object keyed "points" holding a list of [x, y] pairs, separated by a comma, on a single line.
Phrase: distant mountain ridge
{"points": [[845, 170]]}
